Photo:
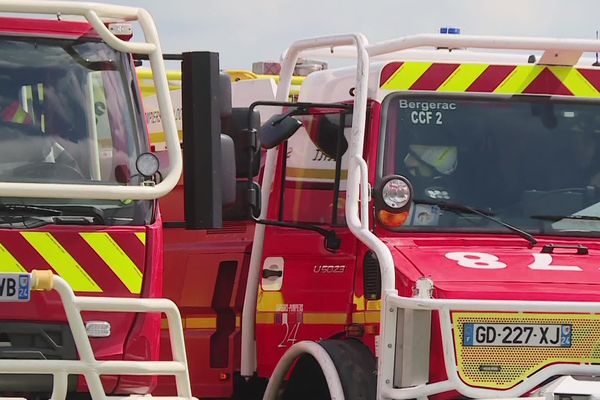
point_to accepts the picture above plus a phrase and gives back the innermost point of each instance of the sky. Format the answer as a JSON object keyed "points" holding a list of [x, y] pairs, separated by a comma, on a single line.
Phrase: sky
{"points": [[260, 30]]}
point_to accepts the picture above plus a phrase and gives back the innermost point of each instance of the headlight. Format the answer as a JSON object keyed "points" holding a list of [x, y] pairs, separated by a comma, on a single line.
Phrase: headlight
{"points": [[395, 193], [393, 197], [147, 164]]}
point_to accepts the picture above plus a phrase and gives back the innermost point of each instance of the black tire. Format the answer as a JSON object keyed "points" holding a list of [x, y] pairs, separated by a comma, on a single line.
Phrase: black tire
{"points": [[355, 365]]}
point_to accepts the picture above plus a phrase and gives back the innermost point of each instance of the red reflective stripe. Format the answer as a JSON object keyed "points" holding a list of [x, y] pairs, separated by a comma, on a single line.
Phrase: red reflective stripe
{"points": [[93, 265], [433, 78], [491, 78], [547, 83], [592, 76], [388, 71]]}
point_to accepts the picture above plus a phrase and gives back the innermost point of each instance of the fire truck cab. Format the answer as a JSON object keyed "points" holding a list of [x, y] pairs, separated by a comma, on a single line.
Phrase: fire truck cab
{"points": [[429, 220], [427, 226], [79, 185]]}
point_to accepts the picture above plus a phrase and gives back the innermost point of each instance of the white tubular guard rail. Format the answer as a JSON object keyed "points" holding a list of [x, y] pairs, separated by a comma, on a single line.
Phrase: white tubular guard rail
{"points": [[94, 13], [87, 365], [393, 303], [336, 392], [357, 211]]}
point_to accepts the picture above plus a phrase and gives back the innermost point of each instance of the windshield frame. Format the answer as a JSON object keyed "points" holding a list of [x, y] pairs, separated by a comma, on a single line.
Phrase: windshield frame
{"points": [[426, 96], [135, 135]]}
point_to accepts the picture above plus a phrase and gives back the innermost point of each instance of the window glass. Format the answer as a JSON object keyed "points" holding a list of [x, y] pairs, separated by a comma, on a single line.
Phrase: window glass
{"points": [[310, 173], [530, 161], [69, 116]]}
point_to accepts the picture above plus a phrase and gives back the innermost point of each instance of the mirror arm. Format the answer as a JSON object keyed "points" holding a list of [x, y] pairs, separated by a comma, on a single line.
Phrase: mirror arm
{"points": [[250, 140], [299, 110], [332, 241]]}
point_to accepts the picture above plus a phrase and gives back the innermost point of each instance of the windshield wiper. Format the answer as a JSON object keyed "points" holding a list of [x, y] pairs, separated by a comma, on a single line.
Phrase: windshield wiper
{"points": [[461, 208], [30, 222], [62, 214], [83, 212], [559, 217], [29, 209], [73, 220]]}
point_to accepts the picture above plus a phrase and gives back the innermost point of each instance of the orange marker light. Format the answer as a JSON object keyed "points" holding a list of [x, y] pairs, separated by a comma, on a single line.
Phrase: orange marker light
{"points": [[392, 220]]}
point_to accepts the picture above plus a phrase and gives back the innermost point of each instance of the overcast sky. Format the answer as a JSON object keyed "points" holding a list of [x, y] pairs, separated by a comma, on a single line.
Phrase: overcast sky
{"points": [[254, 30]]}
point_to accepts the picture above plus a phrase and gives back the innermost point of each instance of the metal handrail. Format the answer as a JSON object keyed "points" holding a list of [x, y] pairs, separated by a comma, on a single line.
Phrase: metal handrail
{"points": [[88, 365], [94, 14]]}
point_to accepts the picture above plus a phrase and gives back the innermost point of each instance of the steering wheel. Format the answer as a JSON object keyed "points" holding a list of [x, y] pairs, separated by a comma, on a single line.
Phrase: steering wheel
{"points": [[48, 171]]}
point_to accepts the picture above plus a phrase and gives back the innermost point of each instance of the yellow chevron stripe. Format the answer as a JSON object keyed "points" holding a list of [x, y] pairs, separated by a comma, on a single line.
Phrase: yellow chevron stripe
{"points": [[61, 261], [116, 259], [518, 80], [406, 76], [575, 82], [142, 237], [462, 77], [8, 263]]}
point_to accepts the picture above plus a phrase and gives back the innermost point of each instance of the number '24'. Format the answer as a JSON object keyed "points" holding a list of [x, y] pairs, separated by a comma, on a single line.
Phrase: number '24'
{"points": [[541, 262]]}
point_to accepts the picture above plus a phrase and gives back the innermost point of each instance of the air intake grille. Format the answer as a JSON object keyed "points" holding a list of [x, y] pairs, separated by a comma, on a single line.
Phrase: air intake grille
{"points": [[372, 277], [33, 341]]}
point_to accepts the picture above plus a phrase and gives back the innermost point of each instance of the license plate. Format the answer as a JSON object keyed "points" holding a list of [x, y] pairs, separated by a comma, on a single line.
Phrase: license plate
{"points": [[517, 335], [15, 287]]}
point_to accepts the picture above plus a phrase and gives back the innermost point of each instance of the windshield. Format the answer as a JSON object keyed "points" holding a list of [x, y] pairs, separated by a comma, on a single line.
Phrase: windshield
{"points": [[532, 162], [68, 114]]}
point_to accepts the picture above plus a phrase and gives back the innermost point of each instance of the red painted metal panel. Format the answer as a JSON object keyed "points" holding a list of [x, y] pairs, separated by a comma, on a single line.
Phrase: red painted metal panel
{"points": [[434, 77], [547, 83], [388, 71], [45, 27], [491, 78]]}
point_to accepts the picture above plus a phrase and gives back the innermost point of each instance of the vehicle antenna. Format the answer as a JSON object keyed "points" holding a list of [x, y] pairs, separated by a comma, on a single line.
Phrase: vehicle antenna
{"points": [[596, 64]]}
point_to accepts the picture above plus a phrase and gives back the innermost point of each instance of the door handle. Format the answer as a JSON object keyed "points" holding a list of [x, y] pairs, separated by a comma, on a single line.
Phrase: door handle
{"points": [[271, 273]]}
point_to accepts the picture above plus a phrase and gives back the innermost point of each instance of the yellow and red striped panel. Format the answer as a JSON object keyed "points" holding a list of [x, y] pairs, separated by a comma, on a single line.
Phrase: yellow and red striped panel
{"points": [[488, 78], [95, 261]]}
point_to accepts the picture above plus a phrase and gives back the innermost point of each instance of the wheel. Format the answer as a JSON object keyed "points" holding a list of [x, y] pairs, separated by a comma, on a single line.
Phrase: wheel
{"points": [[356, 367]]}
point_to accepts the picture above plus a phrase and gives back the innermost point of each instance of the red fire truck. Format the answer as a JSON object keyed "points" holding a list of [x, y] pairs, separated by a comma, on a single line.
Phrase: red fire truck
{"points": [[428, 226], [79, 185]]}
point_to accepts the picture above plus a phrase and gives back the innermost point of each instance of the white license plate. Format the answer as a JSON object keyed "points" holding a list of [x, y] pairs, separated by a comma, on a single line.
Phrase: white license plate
{"points": [[517, 335], [15, 287]]}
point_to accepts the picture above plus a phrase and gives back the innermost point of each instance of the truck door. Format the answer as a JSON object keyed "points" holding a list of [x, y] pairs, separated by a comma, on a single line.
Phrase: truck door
{"points": [[306, 288]]}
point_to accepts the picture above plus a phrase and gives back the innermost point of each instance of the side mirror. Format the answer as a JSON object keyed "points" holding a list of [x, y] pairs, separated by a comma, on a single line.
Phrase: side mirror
{"points": [[247, 202], [206, 176], [326, 135], [228, 183], [277, 129], [224, 95], [242, 126]]}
